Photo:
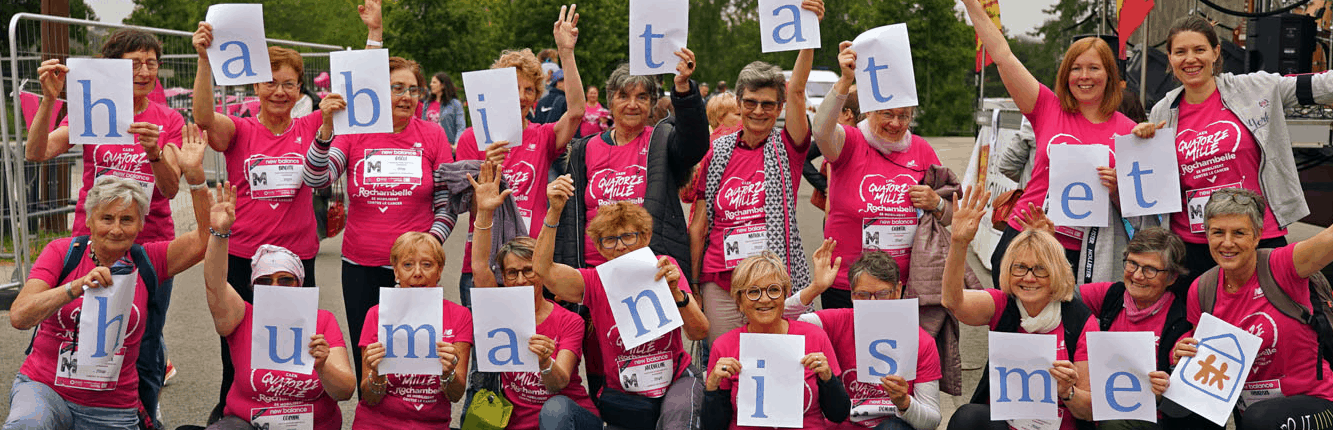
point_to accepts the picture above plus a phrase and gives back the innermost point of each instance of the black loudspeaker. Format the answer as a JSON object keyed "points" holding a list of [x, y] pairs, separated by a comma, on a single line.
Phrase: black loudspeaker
{"points": [[1282, 44]]}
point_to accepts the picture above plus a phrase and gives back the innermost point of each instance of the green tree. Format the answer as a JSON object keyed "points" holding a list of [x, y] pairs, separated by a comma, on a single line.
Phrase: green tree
{"points": [[337, 21], [77, 9]]}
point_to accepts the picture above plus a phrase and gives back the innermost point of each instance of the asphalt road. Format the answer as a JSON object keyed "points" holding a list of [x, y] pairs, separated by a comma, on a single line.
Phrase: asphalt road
{"points": [[193, 346]]}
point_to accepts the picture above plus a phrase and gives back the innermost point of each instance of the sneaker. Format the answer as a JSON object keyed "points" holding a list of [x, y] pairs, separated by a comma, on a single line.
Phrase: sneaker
{"points": [[171, 372]]}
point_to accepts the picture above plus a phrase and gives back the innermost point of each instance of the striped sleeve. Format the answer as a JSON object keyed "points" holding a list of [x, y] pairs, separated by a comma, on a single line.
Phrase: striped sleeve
{"points": [[323, 165]]}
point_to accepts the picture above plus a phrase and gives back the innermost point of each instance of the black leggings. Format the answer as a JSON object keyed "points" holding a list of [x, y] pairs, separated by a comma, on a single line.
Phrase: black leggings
{"points": [[974, 416], [238, 275], [997, 257], [361, 291], [1288, 413]]}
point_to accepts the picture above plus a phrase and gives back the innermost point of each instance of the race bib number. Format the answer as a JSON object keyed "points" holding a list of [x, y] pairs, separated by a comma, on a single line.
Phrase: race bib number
{"points": [[1073, 232], [648, 376], [1258, 391], [739, 243], [392, 167], [526, 215], [872, 409], [144, 180], [892, 235], [1196, 199], [94, 378], [294, 417], [274, 177]]}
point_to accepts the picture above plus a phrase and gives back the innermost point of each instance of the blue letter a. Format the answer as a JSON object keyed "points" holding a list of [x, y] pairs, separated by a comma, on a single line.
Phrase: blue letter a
{"points": [[244, 58], [512, 346], [795, 24]]}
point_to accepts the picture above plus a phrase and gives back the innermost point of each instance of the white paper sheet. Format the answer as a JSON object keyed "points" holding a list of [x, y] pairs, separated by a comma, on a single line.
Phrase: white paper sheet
{"points": [[884, 71], [416, 316], [1148, 174], [643, 308], [492, 97], [887, 336], [101, 101], [503, 319], [1210, 382], [784, 26], [239, 52], [1118, 373], [362, 78], [657, 29], [105, 318], [1076, 197], [1021, 385], [284, 319], [771, 392]]}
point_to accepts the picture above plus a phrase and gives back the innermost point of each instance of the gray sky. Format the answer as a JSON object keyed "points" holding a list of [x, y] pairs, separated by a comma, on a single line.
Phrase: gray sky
{"points": [[1020, 16]]}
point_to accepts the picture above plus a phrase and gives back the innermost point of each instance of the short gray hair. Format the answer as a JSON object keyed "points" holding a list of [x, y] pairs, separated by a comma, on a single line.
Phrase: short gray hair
{"points": [[109, 189], [620, 79], [878, 264], [1163, 242], [1236, 201], [759, 75]]}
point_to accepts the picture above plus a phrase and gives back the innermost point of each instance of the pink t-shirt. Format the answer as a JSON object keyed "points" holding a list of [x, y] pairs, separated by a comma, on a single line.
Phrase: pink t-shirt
{"points": [[871, 405], [1285, 368], [1054, 126], [276, 396], [85, 385], [729, 345], [738, 210], [273, 205], [1216, 151], [391, 186], [130, 161], [644, 361], [526, 170], [615, 174], [1001, 300], [526, 391], [1092, 295], [413, 401], [433, 112], [869, 206]]}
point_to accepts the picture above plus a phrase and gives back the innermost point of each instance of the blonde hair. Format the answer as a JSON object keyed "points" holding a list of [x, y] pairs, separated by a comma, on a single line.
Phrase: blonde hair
{"points": [[719, 105], [759, 267], [620, 214], [415, 240], [525, 63], [1110, 95], [1049, 254]]}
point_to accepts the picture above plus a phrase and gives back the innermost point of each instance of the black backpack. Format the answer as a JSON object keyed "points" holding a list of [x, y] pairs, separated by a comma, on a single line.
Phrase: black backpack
{"points": [[1321, 296], [1073, 315], [1176, 324]]}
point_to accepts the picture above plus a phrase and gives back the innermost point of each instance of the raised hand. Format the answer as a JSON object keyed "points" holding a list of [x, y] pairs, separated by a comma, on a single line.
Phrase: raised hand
{"points": [[52, 75], [816, 6], [971, 208], [370, 15], [566, 28], [559, 192], [191, 156], [486, 192], [846, 61], [223, 213], [1033, 217], [825, 266], [684, 69]]}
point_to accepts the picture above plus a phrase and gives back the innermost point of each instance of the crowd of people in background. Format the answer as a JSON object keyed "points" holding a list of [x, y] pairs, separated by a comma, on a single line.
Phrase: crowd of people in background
{"points": [[591, 182]]}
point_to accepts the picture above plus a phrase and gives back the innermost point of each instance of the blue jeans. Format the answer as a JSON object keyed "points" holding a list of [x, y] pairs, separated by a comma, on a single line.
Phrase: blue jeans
{"points": [[35, 406], [465, 290], [152, 363], [562, 413]]}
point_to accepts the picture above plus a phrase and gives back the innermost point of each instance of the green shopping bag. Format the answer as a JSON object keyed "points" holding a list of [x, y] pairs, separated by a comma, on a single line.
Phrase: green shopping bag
{"points": [[489, 411]]}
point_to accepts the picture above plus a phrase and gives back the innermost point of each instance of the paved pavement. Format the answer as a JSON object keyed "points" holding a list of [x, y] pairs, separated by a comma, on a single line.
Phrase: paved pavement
{"points": [[193, 346]]}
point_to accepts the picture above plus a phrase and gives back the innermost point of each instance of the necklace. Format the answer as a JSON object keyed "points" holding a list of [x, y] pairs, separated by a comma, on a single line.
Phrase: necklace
{"points": [[92, 252]]}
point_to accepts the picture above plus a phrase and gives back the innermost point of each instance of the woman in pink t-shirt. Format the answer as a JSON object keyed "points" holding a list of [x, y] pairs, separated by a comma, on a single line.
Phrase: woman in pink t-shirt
{"points": [[1284, 384], [748, 183], [415, 401], [876, 169], [762, 287], [1080, 110], [895, 403], [50, 393], [555, 394], [1230, 131], [660, 367]]}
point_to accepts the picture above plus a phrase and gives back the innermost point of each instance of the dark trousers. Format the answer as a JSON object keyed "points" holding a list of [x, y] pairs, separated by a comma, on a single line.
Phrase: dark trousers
{"points": [[1295, 412], [361, 291], [152, 362], [238, 275]]}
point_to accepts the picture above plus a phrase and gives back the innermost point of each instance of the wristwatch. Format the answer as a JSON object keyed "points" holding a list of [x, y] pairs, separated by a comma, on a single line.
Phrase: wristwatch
{"points": [[684, 303], [1068, 397]]}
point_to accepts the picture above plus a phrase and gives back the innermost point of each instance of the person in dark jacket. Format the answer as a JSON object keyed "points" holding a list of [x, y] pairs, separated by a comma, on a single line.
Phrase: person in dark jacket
{"points": [[552, 106]]}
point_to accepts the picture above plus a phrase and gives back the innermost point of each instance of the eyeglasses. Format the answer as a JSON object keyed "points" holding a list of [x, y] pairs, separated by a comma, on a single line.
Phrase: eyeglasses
{"points": [[1148, 271], [900, 117], [1224, 195], [878, 295], [512, 274], [286, 86], [152, 65], [627, 239], [751, 104], [399, 90], [280, 281], [1019, 270], [773, 291]]}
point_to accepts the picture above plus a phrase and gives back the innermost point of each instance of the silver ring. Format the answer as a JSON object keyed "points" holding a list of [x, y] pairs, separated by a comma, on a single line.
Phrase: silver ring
{"points": [[724, 368]]}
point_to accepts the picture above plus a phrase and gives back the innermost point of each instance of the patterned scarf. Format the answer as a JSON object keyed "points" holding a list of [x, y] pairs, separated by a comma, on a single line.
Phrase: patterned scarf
{"points": [[779, 200]]}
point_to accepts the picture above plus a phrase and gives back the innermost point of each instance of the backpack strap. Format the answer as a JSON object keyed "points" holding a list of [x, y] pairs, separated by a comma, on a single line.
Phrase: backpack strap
{"points": [[1074, 315], [145, 267], [73, 255], [1274, 292], [1208, 288], [1175, 326], [1112, 303]]}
